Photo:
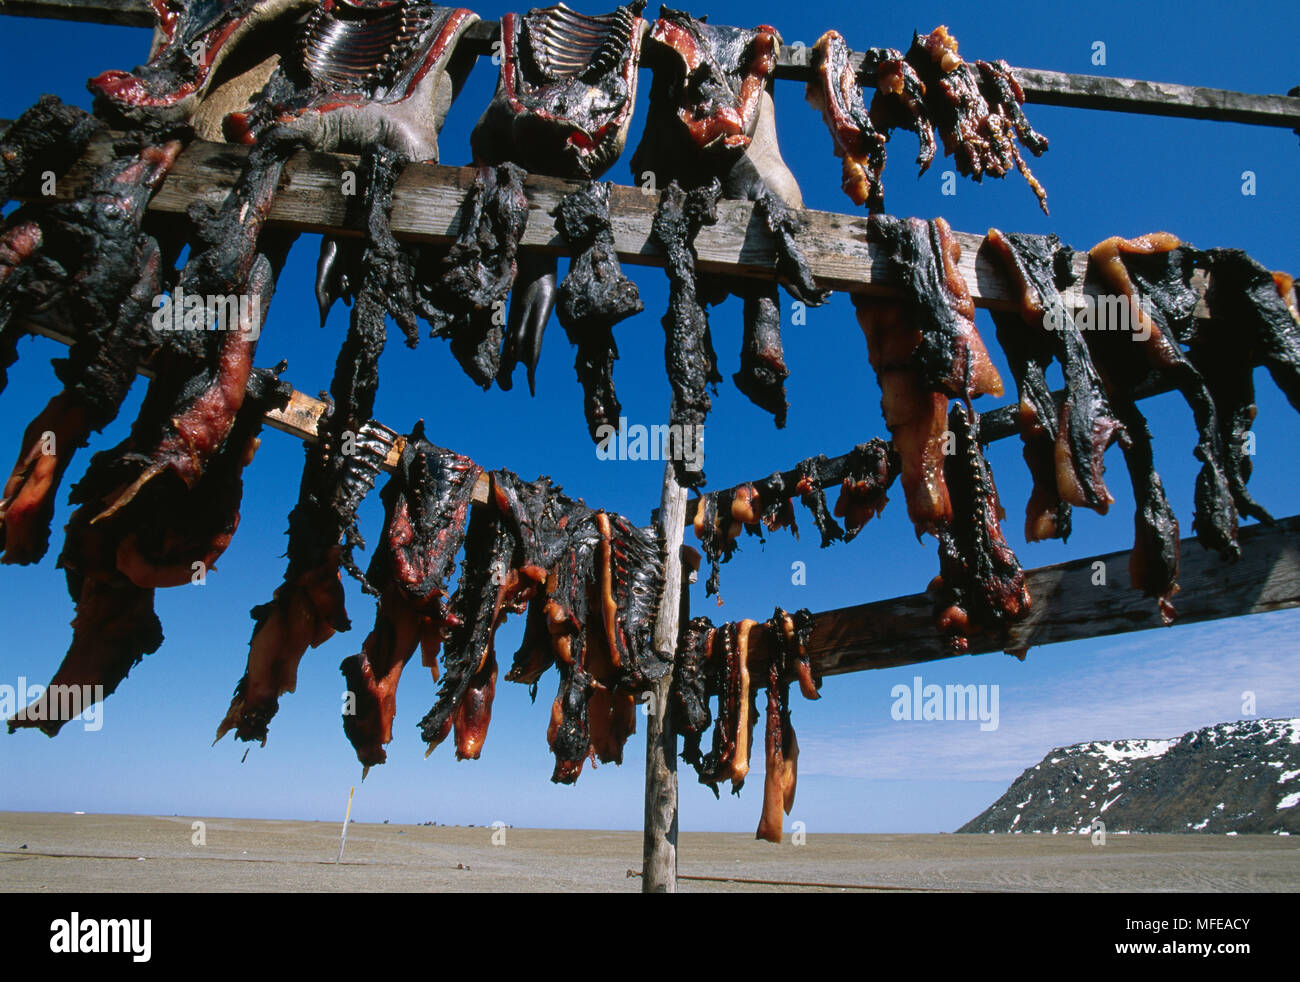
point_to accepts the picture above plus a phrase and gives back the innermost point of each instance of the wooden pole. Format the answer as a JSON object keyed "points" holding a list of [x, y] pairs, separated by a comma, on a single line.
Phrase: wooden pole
{"points": [[659, 856]]}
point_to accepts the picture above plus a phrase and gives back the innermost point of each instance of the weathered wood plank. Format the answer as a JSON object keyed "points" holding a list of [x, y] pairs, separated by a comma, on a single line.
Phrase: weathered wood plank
{"points": [[1123, 95], [1068, 607], [1040, 85], [124, 13], [427, 208], [1128, 95]]}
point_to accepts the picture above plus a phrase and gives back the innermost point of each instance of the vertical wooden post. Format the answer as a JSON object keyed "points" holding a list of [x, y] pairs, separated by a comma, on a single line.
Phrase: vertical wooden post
{"points": [[659, 857]]}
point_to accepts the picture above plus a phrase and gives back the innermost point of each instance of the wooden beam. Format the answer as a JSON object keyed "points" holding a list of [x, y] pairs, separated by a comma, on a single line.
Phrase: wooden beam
{"points": [[427, 208], [1128, 95], [1040, 86], [1067, 606], [1124, 95], [123, 13]]}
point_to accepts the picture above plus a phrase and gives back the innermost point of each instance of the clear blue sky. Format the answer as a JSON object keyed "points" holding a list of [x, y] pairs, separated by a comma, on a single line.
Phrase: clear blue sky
{"points": [[860, 770]]}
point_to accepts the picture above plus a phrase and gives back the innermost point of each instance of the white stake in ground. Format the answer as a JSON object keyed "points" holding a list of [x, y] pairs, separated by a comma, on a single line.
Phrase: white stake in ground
{"points": [[343, 839]]}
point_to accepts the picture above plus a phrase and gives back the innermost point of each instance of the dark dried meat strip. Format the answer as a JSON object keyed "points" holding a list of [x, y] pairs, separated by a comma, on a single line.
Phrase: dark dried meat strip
{"points": [[981, 586], [113, 567], [1064, 446], [594, 296], [1251, 322], [1144, 296], [426, 506], [873, 466], [48, 137], [692, 363], [479, 271], [976, 110], [833, 90]]}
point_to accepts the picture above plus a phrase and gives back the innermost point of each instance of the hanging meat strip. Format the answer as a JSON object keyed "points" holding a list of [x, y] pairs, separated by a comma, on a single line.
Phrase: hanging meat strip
{"points": [[426, 506], [976, 109], [980, 586], [512, 542], [1064, 446], [544, 522], [717, 662], [737, 711], [925, 349], [792, 633], [692, 363], [713, 529], [479, 271], [568, 613], [48, 137], [1143, 295], [899, 100], [689, 692], [464, 701], [711, 117], [308, 607], [169, 534], [811, 491], [720, 517], [600, 611], [594, 296], [833, 90], [1251, 322], [562, 107], [788, 635], [1153, 563], [110, 274], [872, 469], [763, 370], [950, 354]]}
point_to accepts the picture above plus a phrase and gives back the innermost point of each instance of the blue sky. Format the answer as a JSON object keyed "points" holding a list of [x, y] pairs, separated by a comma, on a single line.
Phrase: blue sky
{"points": [[860, 770]]}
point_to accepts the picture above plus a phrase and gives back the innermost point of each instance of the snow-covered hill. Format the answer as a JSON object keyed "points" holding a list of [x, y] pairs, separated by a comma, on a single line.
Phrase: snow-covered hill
{"points": [[1233, 777]]}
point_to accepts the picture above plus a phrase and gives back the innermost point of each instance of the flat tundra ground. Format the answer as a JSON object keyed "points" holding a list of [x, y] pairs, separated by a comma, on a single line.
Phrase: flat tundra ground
{"points": [[139, 853]]}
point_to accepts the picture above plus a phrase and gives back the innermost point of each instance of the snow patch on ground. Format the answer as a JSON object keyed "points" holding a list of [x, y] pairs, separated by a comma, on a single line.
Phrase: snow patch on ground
{"points": [[1125, 750]]}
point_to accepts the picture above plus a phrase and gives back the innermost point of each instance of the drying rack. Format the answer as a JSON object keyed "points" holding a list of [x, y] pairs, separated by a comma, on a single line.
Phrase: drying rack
{"points": [[883, 634]]}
